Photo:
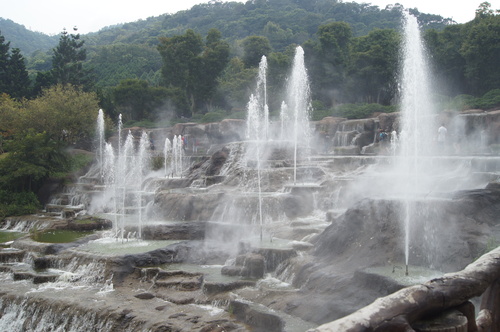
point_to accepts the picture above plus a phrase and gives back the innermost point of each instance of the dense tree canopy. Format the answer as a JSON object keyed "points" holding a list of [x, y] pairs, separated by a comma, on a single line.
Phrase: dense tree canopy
{"points": [[192, 67], [136, 99], [64, 113], [351, 49], [14, 79], [68, 62]]}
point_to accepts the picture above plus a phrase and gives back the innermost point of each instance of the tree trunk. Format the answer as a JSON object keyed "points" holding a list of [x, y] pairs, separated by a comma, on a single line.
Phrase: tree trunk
{"points": [[397, 311]]}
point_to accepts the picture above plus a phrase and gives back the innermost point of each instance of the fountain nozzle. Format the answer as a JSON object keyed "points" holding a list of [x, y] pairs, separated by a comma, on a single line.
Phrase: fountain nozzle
{"points": [[406, 272], [394, 267]]}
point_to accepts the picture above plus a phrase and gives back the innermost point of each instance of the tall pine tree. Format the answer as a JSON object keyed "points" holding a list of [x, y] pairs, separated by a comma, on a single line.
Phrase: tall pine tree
{"points": [[67, 62], [19, 80], [14, 79], [4, 61]]}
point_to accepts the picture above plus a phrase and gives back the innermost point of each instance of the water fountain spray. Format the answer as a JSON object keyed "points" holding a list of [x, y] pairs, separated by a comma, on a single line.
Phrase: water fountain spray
{"points": [[417, 121], [299, 104], [258, 125], [100, 140], [167, 154]]}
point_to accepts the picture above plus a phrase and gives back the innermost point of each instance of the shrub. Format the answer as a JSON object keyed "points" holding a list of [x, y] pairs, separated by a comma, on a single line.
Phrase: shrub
{"points": [[18, 203], [213, 117], [361, 111]]}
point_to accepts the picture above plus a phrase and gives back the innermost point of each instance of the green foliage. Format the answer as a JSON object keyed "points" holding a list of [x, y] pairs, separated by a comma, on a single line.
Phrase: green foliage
{"points": [[461, 102], [32, 159], [489, 100], [254, 47], [372, 67], [136, 100], [14, 79], [351, 54], [65, 113], [157, 162], [319, 111], [213, 117], [68, 62], [360, 111], [19, 82], [26, 40], [466, 55], [79, 161], [192, 67], [17, 203], [117, 62], [236, 82]]}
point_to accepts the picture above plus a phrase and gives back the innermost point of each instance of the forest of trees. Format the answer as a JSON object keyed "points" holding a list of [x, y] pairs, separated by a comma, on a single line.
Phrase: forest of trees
{"points": [[204, 60], [201, 65]]}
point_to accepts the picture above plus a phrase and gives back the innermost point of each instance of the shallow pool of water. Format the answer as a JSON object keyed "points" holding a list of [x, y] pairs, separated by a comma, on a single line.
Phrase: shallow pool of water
{"points": [[58, 236], [114, 246], [416, 274], [212, 273], [6, 236]]}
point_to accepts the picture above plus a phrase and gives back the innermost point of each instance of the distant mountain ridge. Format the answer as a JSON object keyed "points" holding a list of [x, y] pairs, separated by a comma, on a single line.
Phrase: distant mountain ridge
{"points": [[26, 40], [282, 21]]}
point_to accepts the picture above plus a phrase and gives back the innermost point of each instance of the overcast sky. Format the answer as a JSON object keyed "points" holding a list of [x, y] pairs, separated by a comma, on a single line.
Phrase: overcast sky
{"points": [[51, 16]]}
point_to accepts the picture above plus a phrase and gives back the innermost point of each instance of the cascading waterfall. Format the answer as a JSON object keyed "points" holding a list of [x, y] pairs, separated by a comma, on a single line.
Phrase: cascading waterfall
{"points": [[417, 120]]}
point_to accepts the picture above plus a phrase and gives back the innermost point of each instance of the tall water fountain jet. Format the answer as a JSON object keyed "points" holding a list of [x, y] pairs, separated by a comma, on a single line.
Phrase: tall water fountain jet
{"points": [[257, 108], [258, 126], [177, 155], [167, 149], [100, 140], [283, 119], [299, 104], [418, 123], [142, 162]]}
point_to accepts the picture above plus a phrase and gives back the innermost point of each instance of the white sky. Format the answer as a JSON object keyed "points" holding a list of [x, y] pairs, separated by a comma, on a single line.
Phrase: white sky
{"points": [[51, 16]]}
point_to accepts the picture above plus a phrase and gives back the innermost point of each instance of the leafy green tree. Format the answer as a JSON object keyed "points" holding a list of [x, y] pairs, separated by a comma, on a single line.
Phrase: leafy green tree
{"points": [[19, 84], [136, 100], [254, 47], [43, 80], [9, 113], [116, 62], [191, 67], [481, 51], [447, 61], [373, 66], [236, 83], [67, 62], [65, 113], [4, 63], [33, 158], [213, 60], [279, 64], [14, 78], [278, 37], [179, 54], [329, 61]]}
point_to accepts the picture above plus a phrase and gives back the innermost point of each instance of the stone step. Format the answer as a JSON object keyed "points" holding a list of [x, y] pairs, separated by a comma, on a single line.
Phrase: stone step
{"points": [[36, 277], [182, 283], [11, 255]]}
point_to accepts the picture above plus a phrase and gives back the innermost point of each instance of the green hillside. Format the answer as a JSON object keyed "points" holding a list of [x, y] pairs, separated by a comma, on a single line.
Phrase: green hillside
{"points": [[26, 40]]}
